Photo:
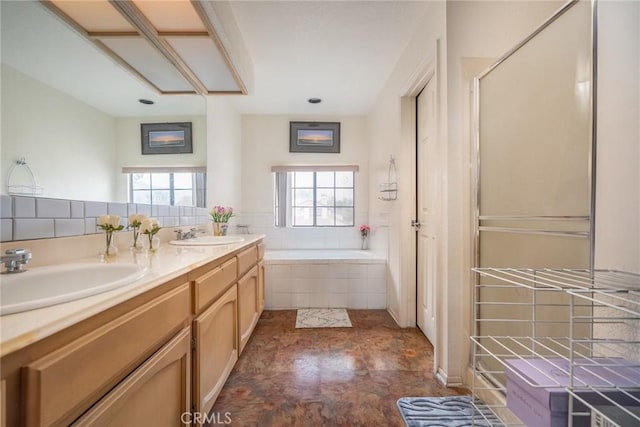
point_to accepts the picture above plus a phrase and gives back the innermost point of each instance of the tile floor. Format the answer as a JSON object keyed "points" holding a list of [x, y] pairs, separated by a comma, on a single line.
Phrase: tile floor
{"points": [[329, 376]]}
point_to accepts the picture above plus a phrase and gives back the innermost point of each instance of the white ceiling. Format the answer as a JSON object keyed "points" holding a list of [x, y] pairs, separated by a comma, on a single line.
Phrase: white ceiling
{"points": [[340, 51], [39, 45]]}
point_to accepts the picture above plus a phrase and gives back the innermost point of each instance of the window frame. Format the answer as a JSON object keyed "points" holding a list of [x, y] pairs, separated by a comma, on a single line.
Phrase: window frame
{"points": [[198, 184], [285, 198]]}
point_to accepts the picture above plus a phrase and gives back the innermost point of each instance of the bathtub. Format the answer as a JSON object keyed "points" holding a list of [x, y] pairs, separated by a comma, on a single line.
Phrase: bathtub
{"points": [[325, 278]]}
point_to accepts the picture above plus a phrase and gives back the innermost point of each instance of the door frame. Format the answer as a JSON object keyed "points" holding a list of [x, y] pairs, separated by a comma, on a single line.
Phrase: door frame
{"points": [[416, 82]]}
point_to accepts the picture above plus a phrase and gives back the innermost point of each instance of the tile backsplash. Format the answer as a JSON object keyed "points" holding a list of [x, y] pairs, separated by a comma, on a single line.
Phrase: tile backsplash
{"points": [[303, 237], [27, 218]]}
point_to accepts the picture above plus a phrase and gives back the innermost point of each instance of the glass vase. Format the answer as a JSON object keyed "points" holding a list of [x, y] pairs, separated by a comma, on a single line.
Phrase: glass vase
{"points": [[152, 243], [136, 244], [364, 245], [109, 251]]}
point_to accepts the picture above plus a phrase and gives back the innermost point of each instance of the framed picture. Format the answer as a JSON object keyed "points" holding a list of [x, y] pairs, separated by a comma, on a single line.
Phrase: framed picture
{"points": [[166, 138], [314, 137]]}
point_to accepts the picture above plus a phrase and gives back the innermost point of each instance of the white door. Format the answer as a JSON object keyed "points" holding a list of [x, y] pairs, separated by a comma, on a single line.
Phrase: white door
{"points": [[429, 170]]}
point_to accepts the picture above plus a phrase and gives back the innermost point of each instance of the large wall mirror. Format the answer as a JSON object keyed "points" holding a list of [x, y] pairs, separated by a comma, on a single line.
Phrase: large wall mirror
{"points": [[73, 113]]}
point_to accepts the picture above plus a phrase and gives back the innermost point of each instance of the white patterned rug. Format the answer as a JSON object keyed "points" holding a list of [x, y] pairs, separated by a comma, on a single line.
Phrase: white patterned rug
{"points": [[322, 318]]}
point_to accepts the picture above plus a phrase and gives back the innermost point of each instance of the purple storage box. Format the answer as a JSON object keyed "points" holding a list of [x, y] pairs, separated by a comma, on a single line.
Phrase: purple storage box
{"points": [[536, 394]]}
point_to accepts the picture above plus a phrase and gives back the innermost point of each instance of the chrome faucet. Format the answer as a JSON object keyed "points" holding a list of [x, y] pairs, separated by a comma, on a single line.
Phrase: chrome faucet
{"points": [[184, 235], [14, 259]]}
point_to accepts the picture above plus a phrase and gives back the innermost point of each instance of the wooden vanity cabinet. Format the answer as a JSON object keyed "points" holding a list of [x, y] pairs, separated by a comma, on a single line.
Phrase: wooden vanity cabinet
{"points": [[261, 276], [226, 311], [247, 258], [145, 361], [248, 305], [216, 348], [215, 329], [63, 384], [155, 394], [210, 285], [261, 288]]}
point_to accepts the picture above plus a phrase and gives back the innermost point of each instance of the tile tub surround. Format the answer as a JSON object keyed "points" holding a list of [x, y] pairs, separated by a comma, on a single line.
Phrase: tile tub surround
{"points": [[305, 237], [325, 279], [26, 218]]}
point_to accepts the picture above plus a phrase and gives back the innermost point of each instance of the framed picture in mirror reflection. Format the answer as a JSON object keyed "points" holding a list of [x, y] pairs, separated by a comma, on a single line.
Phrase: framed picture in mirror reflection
{"points": [[166, 138]]}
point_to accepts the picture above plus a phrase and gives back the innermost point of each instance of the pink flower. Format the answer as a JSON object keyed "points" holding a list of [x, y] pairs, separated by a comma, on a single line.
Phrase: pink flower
{"points": [[364, 230], [221, 214]]}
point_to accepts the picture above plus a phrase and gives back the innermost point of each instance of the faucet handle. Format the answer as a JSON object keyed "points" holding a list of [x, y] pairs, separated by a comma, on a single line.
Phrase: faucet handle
{"points": [[16, 251], [14, 259]]}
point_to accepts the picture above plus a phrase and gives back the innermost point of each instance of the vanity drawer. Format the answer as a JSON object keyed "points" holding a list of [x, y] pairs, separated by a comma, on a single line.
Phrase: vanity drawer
{"points": [[61, 385], [261, 248], [246, 259], [150, 396], [211, 285]]}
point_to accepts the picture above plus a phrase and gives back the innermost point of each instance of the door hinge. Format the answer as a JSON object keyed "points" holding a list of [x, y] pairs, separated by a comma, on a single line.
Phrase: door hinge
{"points": [[415, 224], [194, 343]]}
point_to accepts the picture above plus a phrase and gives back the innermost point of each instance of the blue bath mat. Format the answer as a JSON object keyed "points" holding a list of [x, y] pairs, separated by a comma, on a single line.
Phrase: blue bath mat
{"points": [[454, 411]]}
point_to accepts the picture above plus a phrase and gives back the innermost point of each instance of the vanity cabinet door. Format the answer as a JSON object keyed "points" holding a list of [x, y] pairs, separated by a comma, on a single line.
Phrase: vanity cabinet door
{"points": [[261, 288], [63, 384], [248, 294], [216, 349], [155, 394]]}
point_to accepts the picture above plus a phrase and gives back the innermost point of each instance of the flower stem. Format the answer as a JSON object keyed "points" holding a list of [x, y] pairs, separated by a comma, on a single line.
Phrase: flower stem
{"points": [[135, 237], [109, 236]]}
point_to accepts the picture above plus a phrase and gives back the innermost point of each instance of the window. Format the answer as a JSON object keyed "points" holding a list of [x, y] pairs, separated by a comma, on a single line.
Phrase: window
{"points": [[167, 187], [315, 198]]}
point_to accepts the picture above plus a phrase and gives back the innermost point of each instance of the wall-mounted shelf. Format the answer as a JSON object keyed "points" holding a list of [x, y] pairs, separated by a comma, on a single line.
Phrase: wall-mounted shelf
{"points": [[29, 187], [389, 190]]}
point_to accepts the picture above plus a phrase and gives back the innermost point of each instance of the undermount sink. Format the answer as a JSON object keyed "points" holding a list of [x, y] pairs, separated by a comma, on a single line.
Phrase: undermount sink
{"points": [[45, 286], [208, 241]]}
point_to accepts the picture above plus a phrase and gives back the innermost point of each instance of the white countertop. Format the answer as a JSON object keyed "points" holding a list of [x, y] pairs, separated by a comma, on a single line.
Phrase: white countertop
{"points": [[21, 329]]}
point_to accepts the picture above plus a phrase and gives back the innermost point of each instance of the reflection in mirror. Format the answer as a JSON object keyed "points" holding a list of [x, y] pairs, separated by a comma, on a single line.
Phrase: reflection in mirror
{"points": [[73, 114]]}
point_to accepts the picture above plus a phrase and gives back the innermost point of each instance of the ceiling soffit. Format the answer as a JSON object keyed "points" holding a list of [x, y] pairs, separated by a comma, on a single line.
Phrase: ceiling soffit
{"points": [[171, 46]]}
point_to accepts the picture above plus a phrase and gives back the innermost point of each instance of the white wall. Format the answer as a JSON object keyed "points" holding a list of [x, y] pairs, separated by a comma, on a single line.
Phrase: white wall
{"points": [[265, 143], [450, 33], [68, 145], [129, 150], [390, 129], [618, 137], [224, 154]]}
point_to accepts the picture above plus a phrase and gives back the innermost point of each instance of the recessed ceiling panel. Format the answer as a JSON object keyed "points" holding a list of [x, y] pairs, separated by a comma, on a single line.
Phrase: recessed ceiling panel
{"points": [[171, 16], [144, 58], [95, 16], [206, 62]]}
